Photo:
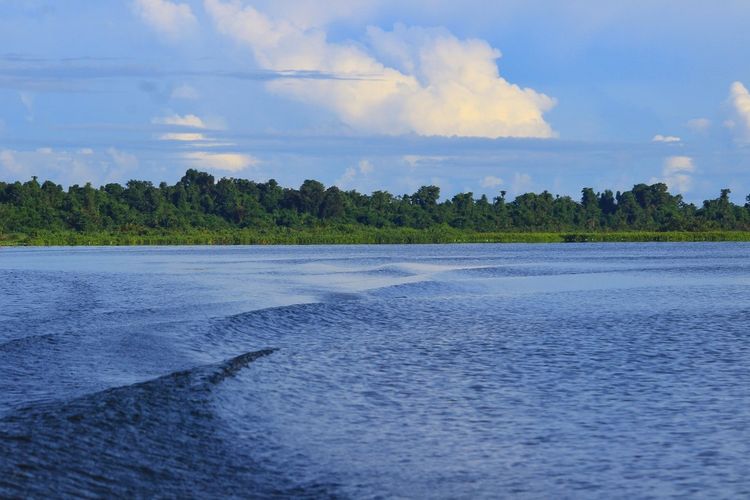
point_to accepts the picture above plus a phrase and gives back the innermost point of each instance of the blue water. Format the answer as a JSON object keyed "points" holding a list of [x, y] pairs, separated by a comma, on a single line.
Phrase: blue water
{"points": [[551, 371]]}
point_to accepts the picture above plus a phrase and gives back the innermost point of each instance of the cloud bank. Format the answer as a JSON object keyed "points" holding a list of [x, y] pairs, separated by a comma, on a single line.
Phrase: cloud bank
{"points": [[68, 166], [409, 80]]}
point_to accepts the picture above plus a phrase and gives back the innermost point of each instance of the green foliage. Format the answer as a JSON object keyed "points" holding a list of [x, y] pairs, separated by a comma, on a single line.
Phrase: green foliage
{"points": [[200, 210]]}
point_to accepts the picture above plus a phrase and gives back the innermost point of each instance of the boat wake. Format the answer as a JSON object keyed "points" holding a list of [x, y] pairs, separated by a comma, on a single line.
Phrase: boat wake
{"points": [[137, 440]]}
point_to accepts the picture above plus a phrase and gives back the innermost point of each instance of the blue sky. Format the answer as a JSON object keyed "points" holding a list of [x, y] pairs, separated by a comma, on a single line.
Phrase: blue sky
{"points": [[368, 94]]}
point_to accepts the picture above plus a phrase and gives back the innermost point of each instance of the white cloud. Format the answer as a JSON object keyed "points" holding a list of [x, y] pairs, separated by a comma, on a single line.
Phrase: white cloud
{"points": [[416, 160], [412, 160], [123, 160], [231, 162], [311, 13], [740, 99], [365, 167], [678, 164], [174, 20], [699, 124], [68, 167], [521, 183], [191, 121], [676, 173], [412, 80], [185, 92], [351, 174], [101, 166], [345, 180], [665, 138], [491, 182], [183, 137], [27, 99], [10, 167]]}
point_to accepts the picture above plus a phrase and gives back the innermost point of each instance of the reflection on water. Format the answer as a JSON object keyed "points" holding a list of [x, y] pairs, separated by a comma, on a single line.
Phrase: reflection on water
{"points": [[422, 371]]}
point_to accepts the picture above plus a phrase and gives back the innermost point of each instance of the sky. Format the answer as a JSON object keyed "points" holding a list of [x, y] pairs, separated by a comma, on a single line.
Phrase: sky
{"points": [[516, 95]]}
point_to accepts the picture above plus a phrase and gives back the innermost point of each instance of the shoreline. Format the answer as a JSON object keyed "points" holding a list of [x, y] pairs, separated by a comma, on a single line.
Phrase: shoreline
{"points": [[378, 237]]}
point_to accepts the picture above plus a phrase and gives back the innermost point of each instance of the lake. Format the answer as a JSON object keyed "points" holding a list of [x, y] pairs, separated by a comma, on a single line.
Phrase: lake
{"points": [[466, 371]]}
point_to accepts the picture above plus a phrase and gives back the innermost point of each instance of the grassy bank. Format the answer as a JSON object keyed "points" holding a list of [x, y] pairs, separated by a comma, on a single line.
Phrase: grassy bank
{"points": [[350, 236]]}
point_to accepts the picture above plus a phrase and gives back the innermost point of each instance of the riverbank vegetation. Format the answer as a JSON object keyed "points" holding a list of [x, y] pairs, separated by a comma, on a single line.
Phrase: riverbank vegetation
{"points": [[200, 210]]}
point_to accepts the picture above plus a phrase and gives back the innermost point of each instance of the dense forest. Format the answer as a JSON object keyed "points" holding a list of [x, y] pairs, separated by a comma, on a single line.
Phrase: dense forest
{"points": [[200, 202]]}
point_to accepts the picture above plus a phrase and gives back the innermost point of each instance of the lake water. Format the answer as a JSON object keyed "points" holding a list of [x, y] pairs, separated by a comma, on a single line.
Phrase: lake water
{"points": [[550, 371]]}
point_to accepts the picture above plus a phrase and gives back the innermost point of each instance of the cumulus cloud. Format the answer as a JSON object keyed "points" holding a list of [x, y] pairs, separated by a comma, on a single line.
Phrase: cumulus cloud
{"points": [[665, 138], [491, 182], [230, 162], [677, 173], [409, 80], [173, 20], [739, 98], [679, 164]]}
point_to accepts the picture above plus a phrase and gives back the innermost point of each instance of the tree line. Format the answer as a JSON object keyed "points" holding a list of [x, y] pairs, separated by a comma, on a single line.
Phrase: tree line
{"points": [[199, 201]]}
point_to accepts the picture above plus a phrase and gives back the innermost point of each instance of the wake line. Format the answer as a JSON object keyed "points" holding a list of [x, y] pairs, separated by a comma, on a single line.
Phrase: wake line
{"points": [[233, 366], [119, 442], [199, 379]]}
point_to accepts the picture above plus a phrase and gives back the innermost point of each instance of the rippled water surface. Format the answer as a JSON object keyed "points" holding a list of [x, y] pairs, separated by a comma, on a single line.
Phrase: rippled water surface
{"points": [[552, 371]]}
